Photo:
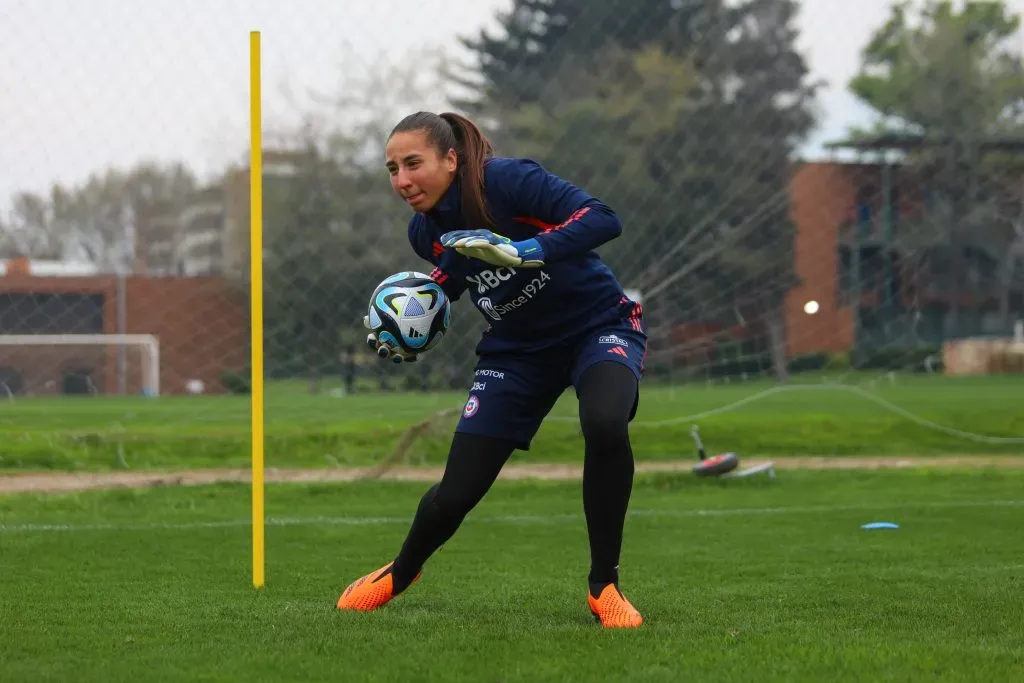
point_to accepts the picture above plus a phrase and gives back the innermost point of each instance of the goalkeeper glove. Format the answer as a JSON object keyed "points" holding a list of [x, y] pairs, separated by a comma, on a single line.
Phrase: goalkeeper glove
{"points": [[497, 250], [386, 349]]}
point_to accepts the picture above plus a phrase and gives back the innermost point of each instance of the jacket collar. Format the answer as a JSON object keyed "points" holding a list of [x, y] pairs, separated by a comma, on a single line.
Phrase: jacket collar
{"points": [[450, 201]]}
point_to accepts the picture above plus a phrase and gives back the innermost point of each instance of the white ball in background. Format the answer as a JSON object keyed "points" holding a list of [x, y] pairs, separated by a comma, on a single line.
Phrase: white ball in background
{"points": [[811, 307], [195, 386]]}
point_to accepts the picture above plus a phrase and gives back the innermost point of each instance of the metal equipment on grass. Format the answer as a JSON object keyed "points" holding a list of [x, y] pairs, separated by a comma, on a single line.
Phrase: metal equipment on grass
{"points": [[723, 464]]}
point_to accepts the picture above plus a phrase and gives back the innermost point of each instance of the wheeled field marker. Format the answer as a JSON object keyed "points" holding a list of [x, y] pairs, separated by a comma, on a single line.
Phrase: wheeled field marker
{"points": [[724, 464], [714, 466]]}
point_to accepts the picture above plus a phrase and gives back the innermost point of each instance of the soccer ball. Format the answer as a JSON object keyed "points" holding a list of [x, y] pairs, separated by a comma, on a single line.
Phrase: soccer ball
{"points": [[411, 311]]}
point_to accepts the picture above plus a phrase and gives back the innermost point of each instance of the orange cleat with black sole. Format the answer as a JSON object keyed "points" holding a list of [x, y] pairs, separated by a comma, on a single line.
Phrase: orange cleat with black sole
{"points": [[372, 591], [612, 609]]}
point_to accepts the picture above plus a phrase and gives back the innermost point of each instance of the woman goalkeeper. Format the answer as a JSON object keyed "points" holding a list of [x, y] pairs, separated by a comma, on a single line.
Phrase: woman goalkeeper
{"points": [[520, 240]]}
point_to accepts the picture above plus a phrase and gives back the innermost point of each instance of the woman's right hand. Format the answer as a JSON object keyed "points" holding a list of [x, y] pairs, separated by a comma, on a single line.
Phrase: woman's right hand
{"points": [[386, 349]]}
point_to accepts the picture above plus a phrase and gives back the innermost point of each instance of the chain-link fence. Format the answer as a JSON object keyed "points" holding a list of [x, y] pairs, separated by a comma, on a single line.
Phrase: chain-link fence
{"points": [[794, 200]]}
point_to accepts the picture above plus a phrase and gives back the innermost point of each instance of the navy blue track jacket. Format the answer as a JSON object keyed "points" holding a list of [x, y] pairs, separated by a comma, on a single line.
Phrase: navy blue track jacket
{"points": [[529, 309]]}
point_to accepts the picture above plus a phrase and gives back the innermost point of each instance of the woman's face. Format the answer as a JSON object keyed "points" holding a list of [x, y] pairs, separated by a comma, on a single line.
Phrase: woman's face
{"points": [[419, 173]]}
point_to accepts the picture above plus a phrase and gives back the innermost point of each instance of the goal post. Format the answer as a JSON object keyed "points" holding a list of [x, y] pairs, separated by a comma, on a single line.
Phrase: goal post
{"points": [[147, 344]]}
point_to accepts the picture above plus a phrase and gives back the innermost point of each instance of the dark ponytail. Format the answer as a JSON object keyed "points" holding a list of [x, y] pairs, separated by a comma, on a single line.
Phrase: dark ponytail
{"points": [[454, 131], [473, 148]]}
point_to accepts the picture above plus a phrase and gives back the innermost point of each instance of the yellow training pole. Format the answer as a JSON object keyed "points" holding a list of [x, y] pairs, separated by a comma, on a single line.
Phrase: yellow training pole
{"points": [[256, 304]]}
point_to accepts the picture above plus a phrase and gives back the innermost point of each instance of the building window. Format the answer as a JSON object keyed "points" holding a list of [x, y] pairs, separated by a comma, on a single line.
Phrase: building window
{"points": [[45, 313], [870, 271]]}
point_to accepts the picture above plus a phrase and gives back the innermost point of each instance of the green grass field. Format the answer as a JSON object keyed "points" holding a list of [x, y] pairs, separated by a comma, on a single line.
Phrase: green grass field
{"points": [[319, 431], [738, 580]]}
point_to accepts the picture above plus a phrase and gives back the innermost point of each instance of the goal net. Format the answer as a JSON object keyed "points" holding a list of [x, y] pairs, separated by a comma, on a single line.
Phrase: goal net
{"points": [[76, 364]]}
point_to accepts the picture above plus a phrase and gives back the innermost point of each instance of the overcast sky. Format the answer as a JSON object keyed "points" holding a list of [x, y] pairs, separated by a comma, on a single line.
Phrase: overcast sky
{"points": [[87, 83]]}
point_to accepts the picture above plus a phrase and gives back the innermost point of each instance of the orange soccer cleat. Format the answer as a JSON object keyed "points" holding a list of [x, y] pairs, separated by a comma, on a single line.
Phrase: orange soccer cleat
{"points": [[612, 608], [372, 591]]}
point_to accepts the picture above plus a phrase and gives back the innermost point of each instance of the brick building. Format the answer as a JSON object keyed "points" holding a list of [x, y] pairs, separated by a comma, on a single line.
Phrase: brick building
{"points": [[857, 226], [201, 325], [822, 200]]}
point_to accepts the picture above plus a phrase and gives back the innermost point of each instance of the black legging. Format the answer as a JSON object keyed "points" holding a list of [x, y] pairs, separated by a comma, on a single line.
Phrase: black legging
{"points": [[607, 394]]}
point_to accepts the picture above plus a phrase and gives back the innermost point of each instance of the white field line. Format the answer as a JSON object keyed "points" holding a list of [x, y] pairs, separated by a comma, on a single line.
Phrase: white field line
{"points": [[513, 519]]}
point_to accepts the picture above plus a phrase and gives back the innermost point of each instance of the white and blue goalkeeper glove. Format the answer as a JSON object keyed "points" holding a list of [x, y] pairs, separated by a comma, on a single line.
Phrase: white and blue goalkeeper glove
{"points": [[386, 349], [497, 250]]}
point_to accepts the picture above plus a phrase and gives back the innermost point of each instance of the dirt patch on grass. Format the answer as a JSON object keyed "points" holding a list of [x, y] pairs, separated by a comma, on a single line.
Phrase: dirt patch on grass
{"points": [[59, 482]]}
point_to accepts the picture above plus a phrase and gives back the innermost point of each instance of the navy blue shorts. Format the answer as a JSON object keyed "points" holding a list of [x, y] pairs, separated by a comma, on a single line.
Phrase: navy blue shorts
{"points": [[512, 394]]}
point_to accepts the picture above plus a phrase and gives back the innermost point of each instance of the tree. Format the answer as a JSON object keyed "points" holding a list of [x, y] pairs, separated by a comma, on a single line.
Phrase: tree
{"points": [[30, 231], [1011, 269], [955, 80], [685, 123], [306, 295], [106, 220], [942, 72], [525, 61]]}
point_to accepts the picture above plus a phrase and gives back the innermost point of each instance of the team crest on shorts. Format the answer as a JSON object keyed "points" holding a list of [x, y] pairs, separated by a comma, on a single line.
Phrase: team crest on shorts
{"points": [[472, 405]]}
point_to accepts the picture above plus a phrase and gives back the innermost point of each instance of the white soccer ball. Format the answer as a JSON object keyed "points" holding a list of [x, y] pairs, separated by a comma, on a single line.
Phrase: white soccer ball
{"points": [[410, 311]]}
